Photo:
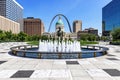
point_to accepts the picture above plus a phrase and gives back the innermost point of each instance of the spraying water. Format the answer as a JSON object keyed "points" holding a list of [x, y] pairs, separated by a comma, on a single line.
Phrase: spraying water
{"points": [[68, 46]]}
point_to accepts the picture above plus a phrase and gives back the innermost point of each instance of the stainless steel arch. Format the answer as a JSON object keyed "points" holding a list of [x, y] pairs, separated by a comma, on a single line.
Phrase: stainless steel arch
{"points": [[65, 19]]}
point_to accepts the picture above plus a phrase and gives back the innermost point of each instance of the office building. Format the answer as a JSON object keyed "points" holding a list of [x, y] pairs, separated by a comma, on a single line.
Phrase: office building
{"points": [[92, 31], [88, 31], [12, 10], [77, 26], [79, 33], [9, 25], [110, 17], [33, 26]]}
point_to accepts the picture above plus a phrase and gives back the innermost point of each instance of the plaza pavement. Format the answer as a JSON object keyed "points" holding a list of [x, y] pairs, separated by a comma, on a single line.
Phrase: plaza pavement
{"points": [[100, 68]]}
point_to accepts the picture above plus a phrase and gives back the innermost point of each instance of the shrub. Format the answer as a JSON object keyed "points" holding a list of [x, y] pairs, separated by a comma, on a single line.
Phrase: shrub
{"points": [[88, 37], [116, 34]]}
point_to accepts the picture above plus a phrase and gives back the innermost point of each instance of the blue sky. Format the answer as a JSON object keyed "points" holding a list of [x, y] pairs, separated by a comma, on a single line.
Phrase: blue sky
{"points": [[89, 11]]}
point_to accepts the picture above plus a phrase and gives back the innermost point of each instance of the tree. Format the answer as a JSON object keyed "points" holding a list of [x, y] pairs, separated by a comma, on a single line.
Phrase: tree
{"points": [[8, 35], [2, 37], [88, 37], [83, 37], [29, 38], [35, 37], [44, 37], [1, 32], [116, 34], [14, 37], [22, 36]]}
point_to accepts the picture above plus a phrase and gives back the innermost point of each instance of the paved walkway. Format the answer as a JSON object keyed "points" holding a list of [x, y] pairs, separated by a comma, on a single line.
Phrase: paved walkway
{"points": [[17, 68]]}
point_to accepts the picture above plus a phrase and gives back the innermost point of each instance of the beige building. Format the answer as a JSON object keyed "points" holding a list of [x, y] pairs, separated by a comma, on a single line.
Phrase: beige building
{"points": [[7, 25], [73, 36], [12, 10], [77, 26]]}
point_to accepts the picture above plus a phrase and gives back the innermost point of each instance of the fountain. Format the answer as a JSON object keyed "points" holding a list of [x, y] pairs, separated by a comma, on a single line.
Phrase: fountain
{"points": [[59, 47], [50, 46], [61, 50]]}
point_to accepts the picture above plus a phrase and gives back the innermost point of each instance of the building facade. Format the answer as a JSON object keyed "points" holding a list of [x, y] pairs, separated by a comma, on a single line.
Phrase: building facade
{"points": [[110, 17], [79, 33], [77, 26], [33, 26], [9, 25], [88, 31], [92, 31], [12, 10]]}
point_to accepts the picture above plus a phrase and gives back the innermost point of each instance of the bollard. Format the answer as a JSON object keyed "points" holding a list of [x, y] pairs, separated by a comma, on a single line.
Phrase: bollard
{"points": [[18, 47], [99, 48], [12, 51], [94, 47], [25, 47], [87, 47], [94, 54], [39, 55], [15, 52], [105, 52], [79, 55], [59, 55], [24, 55]]}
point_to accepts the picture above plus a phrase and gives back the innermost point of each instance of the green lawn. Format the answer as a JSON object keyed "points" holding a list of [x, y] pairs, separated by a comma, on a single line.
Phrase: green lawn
{"points": [[88, 42], [33, 42]]}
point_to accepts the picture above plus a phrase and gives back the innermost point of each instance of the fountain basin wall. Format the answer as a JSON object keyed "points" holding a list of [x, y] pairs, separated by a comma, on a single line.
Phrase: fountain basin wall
{"points": [[32, 52]]}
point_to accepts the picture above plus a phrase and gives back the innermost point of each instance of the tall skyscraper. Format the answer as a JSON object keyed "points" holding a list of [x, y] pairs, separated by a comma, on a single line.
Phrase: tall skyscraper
{"points": [[12, 10], [110, 17], [33, 26], [77, 26]]}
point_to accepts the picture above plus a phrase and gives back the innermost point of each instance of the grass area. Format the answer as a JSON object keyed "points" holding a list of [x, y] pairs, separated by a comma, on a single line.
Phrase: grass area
{"points": [[88, 42], [81, 42], [33, 42]]}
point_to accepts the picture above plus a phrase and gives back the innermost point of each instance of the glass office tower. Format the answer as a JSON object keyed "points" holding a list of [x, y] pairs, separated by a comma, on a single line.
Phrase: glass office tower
{"points": [[12, 10], [111, 16]]}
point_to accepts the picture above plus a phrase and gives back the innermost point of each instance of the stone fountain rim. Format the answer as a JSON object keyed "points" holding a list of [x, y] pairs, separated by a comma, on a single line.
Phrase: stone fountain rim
{"points": [[101, 49]]}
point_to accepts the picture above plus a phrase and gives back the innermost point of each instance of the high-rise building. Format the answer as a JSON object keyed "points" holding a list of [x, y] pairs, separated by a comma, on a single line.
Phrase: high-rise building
{"points": [[33, 26], [77, 26], [110, 17], [12, 10]]}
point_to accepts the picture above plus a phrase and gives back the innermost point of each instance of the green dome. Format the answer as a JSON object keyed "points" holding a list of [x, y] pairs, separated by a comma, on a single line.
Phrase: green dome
{"points": [[59, 22]]}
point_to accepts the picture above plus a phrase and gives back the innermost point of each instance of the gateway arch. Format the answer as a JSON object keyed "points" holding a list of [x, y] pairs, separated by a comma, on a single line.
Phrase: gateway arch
{"points": [[65, 19]]}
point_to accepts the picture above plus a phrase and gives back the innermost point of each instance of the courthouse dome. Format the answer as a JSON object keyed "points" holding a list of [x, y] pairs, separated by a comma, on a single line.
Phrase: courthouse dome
{"points": [[60, 22]]}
